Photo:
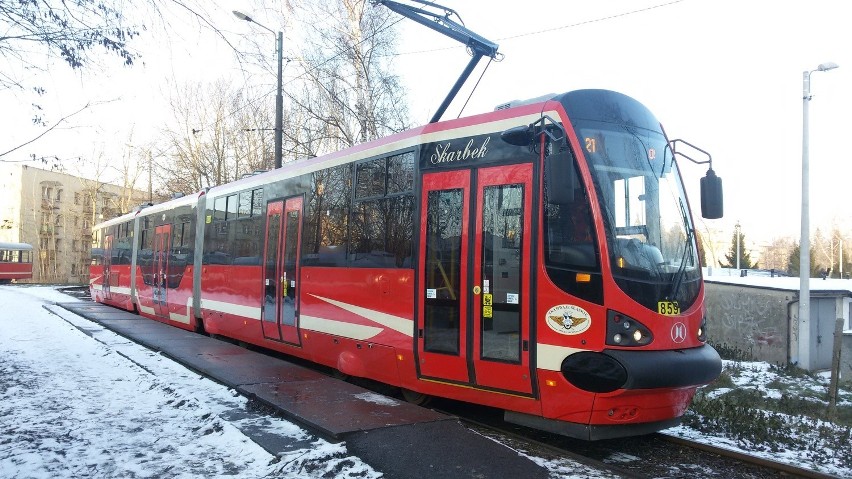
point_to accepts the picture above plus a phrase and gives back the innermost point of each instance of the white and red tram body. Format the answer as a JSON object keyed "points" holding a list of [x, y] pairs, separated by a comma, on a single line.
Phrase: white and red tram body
{"points": [[558, 280], [16, 262], [112, 266]]}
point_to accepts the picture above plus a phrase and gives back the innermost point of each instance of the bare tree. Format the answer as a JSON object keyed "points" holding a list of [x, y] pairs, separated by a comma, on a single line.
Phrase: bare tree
{"points": [[68, 29], [826, 251], [348, 94], [78, 33], [777, 254], [219, 135]]}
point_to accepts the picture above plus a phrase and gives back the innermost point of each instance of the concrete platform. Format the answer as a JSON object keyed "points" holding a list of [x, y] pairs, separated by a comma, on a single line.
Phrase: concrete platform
{"points": [[397, 438]]}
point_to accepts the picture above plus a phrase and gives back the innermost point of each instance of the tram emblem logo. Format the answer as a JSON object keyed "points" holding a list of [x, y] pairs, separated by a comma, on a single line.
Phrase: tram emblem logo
{"points": [[679, 332], [568, 319]]}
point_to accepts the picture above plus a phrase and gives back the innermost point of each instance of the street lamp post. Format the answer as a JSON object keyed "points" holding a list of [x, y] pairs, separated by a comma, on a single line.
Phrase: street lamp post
{"points": [[279, 99], [804, 241], [737, 227]]}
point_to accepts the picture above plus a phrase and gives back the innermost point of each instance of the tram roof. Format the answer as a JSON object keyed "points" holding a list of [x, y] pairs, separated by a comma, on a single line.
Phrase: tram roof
{"points": [[15, 246]]}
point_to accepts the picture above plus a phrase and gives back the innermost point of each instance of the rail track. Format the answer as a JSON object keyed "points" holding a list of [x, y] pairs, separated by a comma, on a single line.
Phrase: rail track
{"points": [[654, 455]]}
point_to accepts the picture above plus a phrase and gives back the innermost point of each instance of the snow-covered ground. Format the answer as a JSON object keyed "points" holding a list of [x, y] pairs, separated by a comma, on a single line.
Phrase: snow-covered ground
{"points": [[94, 404], [98, 405], [792, 438], [78, 406]]}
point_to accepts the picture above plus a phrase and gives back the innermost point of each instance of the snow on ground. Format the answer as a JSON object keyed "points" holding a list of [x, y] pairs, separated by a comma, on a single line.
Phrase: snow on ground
{"points": [[817, 450], [77, 400], [78, 406]]}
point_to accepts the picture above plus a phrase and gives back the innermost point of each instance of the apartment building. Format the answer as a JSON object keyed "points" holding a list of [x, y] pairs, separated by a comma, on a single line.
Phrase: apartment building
{"points": [[55, 212]]}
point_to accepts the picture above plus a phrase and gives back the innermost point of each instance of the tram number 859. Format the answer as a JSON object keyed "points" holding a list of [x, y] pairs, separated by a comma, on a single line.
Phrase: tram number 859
{"points": [[668, 308]]}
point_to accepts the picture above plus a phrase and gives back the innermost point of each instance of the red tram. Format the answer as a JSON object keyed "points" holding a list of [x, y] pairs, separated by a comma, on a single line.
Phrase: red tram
{"points": [[540, 259], [16, 262]]}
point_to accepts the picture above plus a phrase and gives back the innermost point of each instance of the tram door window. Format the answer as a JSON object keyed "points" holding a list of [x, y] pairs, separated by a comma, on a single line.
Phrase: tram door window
{"points": [[443, 260], [474, 318], [290, 264], [162, 246], [107, 262], [280, 316], [270, 275], [502, 236]]}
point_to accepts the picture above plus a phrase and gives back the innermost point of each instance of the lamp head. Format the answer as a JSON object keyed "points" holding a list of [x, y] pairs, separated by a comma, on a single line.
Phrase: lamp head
{"points": [[243, 16], [824, 67]]}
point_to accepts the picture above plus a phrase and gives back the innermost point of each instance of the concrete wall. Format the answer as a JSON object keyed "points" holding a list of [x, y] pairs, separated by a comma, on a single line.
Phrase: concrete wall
{"points": [[754, 321], [758, 318], [846, 358]]}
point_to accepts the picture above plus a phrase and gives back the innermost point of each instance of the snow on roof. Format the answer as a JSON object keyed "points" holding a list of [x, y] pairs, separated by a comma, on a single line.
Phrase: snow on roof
{"points": [[764, 279]]}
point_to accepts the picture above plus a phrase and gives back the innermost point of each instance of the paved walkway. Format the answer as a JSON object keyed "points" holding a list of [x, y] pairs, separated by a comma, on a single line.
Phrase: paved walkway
{"points": [[397, 438]]}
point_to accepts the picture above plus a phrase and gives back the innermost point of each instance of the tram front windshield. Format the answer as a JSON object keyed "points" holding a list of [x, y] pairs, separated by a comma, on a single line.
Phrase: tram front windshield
{"points": [[649, 233]]}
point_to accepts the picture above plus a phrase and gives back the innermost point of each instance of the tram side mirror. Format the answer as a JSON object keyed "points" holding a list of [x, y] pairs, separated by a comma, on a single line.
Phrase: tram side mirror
{"points": [[518, 135], [711, 196], [560, 177]]}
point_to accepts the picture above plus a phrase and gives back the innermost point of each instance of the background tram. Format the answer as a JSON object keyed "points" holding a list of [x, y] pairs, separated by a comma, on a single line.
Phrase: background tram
{"points": [[540, 259], [16, 262]]}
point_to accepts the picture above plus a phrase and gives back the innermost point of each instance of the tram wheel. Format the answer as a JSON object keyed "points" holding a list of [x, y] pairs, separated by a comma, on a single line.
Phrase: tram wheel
{"points": [[416, 398]]}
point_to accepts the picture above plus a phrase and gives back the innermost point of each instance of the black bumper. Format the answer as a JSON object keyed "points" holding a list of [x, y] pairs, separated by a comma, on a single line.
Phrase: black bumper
{"points": [[625, 369]]}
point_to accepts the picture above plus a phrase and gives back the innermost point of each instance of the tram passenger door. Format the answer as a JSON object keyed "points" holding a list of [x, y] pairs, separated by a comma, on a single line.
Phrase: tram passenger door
{"points": [[162, 246], [280, 312], [474, 306], [107, 260]]}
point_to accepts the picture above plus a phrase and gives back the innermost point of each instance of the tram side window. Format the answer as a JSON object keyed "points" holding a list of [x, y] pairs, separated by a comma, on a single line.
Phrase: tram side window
{"points": [[382, 217], [244, 209], [231, 207], [145, 259], [97, 248], [370, 179], [248, 240], [324, 237], [401, 173], [123, 247], [219, 208], [570, 240], [257, 202]]}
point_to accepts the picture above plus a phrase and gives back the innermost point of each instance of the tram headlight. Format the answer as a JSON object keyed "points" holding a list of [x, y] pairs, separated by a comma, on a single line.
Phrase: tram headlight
{"points": [[622, 330], [702, 331]]}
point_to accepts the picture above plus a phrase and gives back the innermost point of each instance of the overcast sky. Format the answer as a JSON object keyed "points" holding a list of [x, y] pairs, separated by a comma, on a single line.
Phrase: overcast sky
{"points": [[725, 75]]}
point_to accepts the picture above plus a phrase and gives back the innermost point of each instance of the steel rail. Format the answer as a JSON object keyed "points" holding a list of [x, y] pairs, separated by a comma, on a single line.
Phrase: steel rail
{"points": [[782, 467]]}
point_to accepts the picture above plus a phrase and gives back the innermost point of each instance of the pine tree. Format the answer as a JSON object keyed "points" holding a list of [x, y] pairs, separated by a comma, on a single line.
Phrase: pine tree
{"points": [[816, 268], [745, 256]]}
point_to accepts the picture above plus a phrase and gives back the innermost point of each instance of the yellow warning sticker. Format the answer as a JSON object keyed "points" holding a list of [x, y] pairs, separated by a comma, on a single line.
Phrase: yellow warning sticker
{"points": [[487, 312], [487, 300]]}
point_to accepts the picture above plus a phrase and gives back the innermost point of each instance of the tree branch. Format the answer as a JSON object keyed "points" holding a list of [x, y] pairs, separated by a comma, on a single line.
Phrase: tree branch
{"points": [[59, 122]]}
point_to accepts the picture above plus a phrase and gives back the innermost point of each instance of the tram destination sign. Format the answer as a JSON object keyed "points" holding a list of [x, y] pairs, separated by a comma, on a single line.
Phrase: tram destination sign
{"points": [[471, 151]]}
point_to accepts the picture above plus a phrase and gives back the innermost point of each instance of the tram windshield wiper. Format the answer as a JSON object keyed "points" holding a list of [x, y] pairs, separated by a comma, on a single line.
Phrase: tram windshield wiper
{"points": [[677, 280]]}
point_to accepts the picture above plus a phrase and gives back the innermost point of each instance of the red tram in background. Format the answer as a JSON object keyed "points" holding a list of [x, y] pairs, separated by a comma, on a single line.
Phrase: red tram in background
{"points": [[16, 262], [540, 259]]}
